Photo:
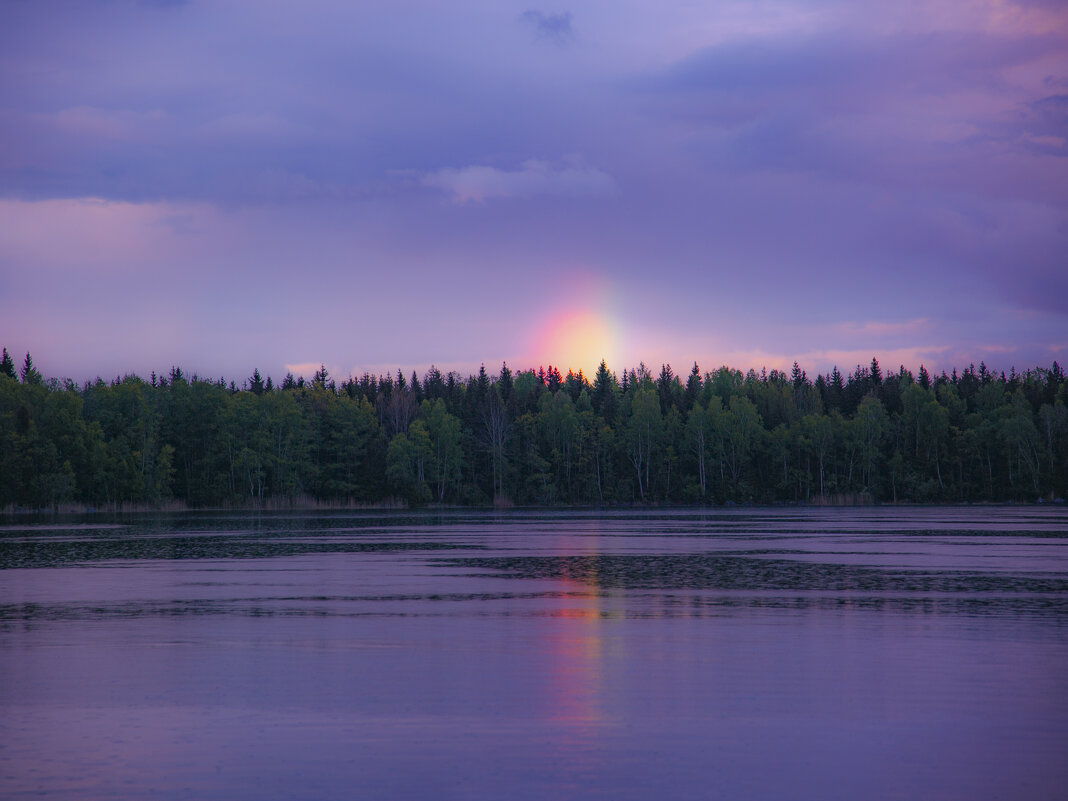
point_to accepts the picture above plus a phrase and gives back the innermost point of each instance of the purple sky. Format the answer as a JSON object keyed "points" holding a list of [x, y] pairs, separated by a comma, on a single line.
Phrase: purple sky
{"points": [[229, 185]]}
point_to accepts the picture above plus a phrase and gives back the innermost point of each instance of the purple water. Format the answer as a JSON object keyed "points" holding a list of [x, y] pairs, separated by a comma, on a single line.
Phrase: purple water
{"points": [[734, 654]]}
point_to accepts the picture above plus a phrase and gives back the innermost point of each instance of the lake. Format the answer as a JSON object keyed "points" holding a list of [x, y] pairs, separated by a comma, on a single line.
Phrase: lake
{"points": [[876, 653]]}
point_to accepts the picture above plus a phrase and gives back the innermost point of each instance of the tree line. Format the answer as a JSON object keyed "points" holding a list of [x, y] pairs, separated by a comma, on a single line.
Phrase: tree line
{"points": [[534, 437]]}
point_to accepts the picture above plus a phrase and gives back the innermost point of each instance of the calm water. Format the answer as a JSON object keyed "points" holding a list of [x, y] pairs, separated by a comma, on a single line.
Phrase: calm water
{"points": [[845, 654]]}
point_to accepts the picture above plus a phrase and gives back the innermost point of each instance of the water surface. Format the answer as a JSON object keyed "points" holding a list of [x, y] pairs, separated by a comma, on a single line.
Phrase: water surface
{"points": [[763, 654]]}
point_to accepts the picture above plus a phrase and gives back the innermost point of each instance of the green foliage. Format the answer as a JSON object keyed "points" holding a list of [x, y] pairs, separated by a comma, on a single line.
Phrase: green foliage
{"points": [[7, 365], [446, 454], [29, 373], [407, 460], [642, 432], [534, 437]]}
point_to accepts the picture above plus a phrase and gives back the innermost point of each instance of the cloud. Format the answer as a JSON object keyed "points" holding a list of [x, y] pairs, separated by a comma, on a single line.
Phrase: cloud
{"points": [[86, 235], [817, 361], [889, 358], [307, 369], [918, 63], [556, 26], [478, 182], [86, 123], [934, 86], [240, 127], [1038, 127], [1046, 124], [883, 329], [943, 113]]}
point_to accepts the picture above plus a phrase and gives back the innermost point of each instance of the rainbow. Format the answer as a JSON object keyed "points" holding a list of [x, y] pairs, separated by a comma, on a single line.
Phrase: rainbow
{"points": [[580, 330]]}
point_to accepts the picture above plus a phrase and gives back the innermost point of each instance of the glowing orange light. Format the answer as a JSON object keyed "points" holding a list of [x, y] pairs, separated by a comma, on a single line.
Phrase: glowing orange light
{"points": [[578, 340]]}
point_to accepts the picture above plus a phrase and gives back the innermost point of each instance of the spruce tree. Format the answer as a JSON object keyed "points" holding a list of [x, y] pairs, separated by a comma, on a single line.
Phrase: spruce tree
{"points": [[925, 378], [835, 389], [693, 387], [7, 365], [553, 379], [665, 386], [29, 374], [505, 382], [322, 375], [604, 393]]}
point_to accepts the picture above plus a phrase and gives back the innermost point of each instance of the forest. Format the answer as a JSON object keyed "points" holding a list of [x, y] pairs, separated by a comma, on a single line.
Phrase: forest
{"points": [[533, 438]]}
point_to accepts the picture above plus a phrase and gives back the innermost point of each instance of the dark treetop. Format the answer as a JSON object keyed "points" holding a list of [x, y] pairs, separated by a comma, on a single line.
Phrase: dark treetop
{"points": [[534, 437]]}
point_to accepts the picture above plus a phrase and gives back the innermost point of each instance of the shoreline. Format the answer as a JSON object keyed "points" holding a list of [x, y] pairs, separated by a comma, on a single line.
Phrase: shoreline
{"points": [[76, 510]]}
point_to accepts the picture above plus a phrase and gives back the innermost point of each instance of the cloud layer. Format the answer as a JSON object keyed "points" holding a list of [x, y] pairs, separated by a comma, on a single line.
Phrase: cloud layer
{"points": [[245, 185], [478, 182]]}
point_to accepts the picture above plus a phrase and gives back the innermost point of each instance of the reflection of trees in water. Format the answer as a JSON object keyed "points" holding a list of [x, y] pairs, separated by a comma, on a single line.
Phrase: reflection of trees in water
{"points": [[720, 572], [51, 553]]}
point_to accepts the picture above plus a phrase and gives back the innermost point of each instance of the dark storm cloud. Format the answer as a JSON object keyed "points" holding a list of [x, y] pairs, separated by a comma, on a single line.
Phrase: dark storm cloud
{"points": [[960, 180], [1049, 116], [1039, 127], [893, 110], [847, 74]]}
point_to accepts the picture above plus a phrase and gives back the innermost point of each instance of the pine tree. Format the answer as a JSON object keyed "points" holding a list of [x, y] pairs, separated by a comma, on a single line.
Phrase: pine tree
{"points": [[665, 386], [574, 384], [835, 389], [7, 365], [256, 382], [505, 384], [29, 374], [604, 394], [553, 379], [322, 375], [693, 387]]}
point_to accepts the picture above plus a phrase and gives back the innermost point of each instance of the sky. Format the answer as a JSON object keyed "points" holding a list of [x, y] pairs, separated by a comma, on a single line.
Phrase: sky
{"points": [[375, 186]]}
